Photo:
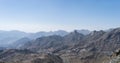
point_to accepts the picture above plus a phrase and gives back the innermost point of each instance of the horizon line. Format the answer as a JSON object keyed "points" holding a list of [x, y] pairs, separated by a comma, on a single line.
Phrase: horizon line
{"points": [[55, 30]]}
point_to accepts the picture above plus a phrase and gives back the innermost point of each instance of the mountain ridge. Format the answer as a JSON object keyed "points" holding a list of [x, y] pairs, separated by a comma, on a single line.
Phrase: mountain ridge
{"points": [[74, 47]]}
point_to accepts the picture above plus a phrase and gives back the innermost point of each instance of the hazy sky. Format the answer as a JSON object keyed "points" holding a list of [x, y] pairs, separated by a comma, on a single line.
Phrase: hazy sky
{"points": [[50, 15]]}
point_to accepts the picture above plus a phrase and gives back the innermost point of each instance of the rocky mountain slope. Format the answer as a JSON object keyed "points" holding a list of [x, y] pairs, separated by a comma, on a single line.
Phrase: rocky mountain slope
{"points": [[79, 48], [95, 47], [26, 56], [100, 40]]}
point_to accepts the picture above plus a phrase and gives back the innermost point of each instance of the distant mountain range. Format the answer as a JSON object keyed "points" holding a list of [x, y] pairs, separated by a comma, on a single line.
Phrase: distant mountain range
{"points": [[94, 47], [10, 37], [100, 40], [78, 46]]}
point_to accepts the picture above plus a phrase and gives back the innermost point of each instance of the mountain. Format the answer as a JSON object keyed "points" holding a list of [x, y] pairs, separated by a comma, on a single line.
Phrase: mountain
{"points": [[73, 47], [8, 37], [17, 44], [26, 56], [2, 48], [42, 33], [94, 47], [83, 31], [73, 38], [48, 42], [55, 42]]}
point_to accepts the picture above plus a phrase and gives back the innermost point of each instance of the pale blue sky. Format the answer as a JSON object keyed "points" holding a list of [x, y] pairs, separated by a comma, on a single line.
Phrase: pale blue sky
{"points": [[50, 15]]}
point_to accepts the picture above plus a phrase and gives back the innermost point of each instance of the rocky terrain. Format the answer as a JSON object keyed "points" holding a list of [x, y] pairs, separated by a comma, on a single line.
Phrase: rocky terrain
{"points": [[75, 47], [26, 56]]}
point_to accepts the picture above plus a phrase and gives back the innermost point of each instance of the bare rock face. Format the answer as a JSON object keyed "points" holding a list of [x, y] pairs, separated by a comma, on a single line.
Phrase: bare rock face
{"points": [[115, 58], [46, 58], [17, 56]]}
